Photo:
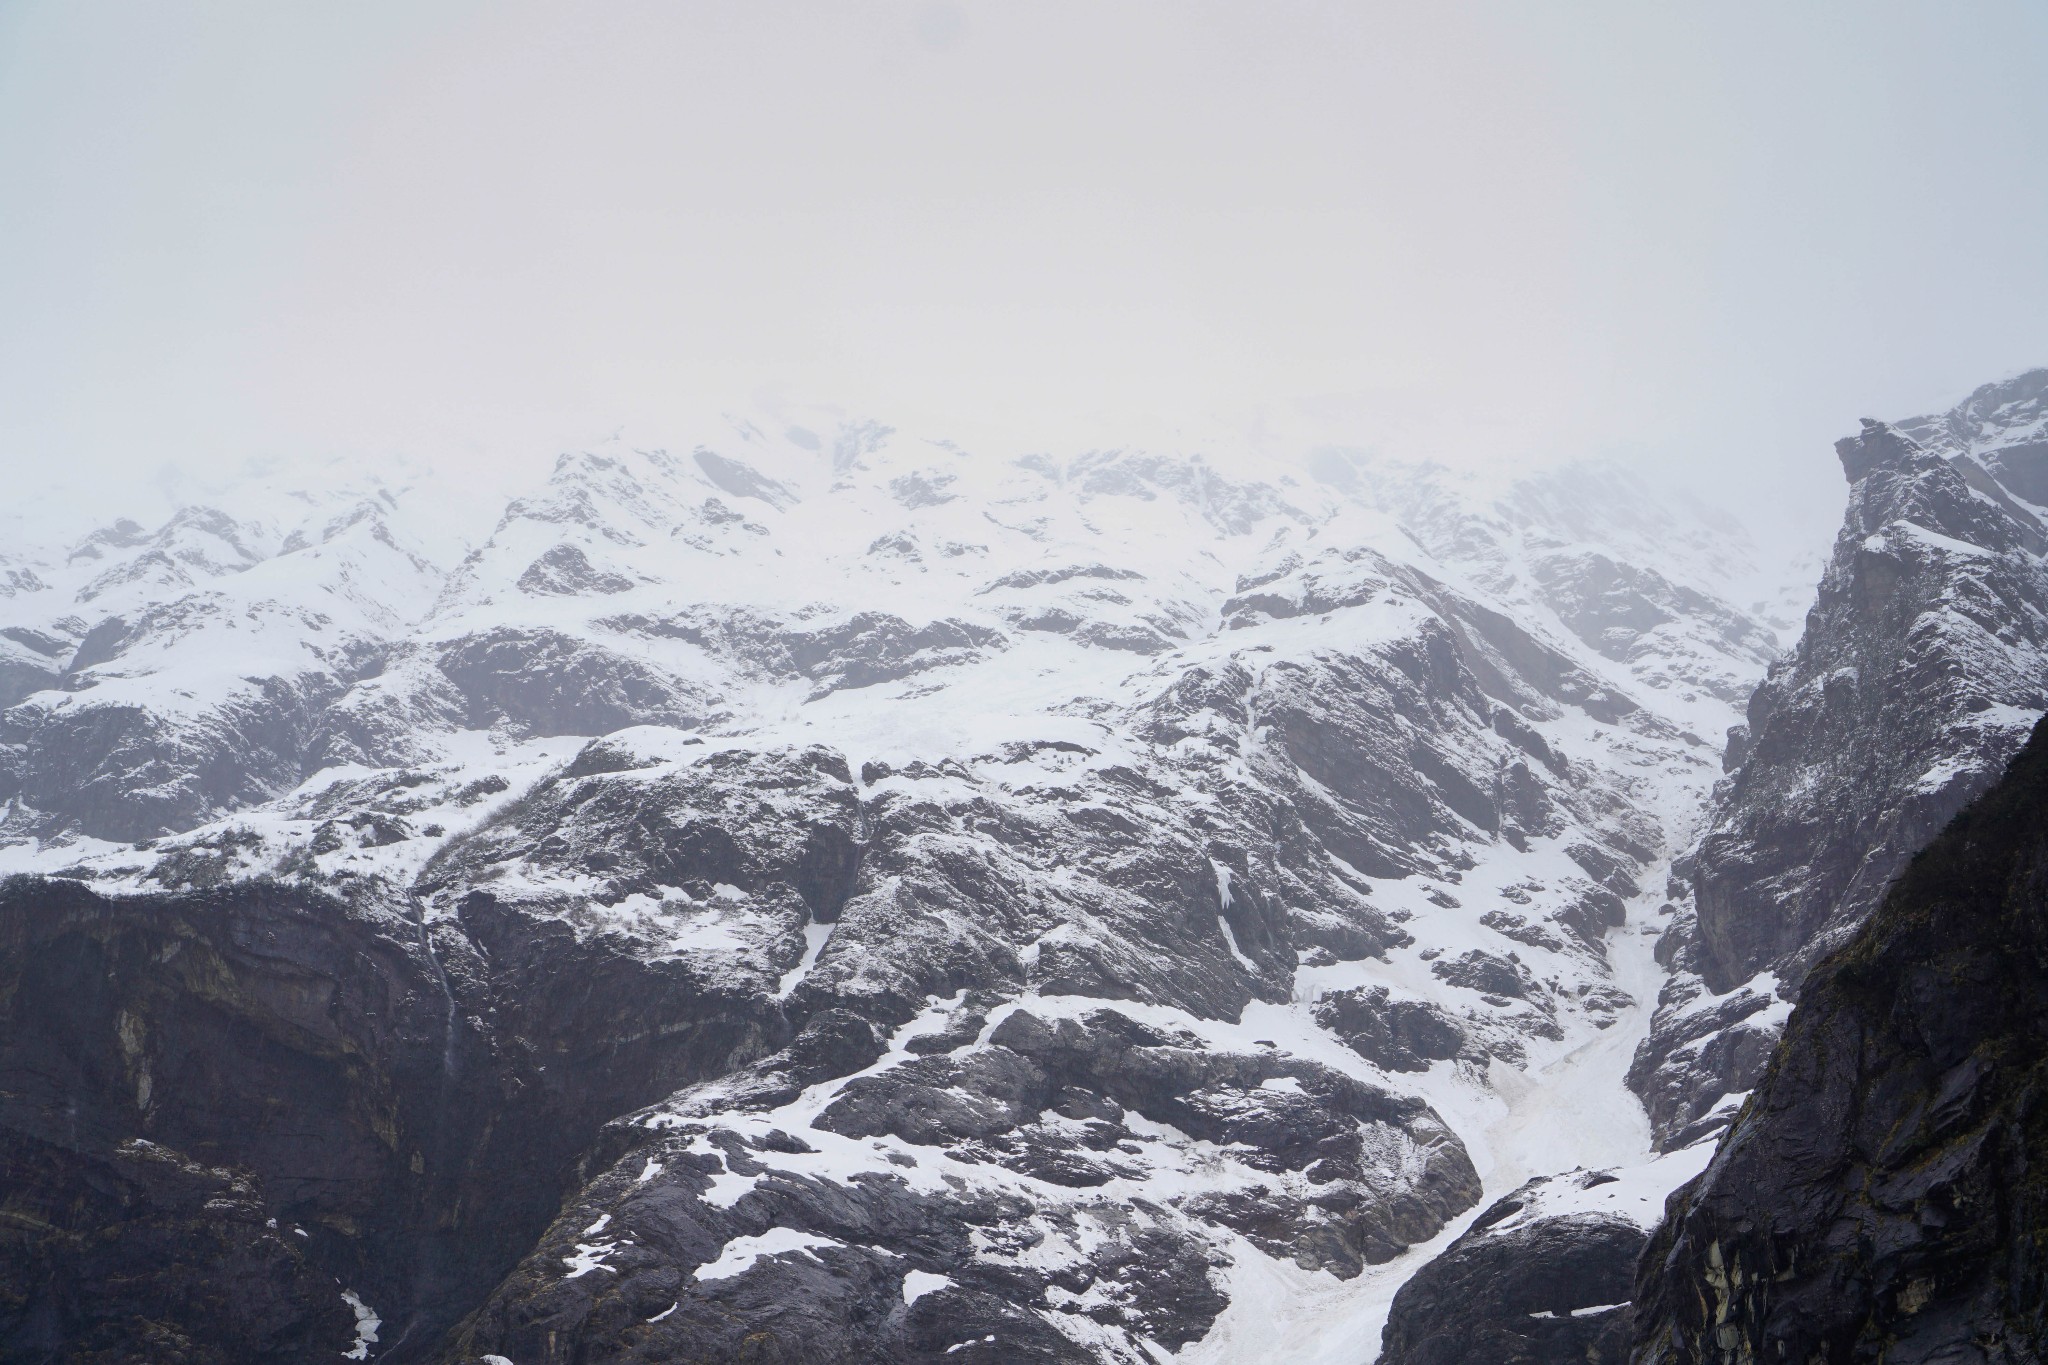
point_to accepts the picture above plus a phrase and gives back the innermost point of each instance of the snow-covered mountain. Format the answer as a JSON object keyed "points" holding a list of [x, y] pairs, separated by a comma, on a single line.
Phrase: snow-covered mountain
{"points": [[155, 678], [834, 890]]}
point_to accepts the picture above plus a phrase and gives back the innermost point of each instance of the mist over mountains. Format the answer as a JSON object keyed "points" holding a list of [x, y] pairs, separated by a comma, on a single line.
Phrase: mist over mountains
{"points": [[826, 894]]}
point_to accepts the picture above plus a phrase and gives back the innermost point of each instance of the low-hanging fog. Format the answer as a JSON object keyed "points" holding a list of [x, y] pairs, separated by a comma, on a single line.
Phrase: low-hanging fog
{"points": [[1702, 241]]}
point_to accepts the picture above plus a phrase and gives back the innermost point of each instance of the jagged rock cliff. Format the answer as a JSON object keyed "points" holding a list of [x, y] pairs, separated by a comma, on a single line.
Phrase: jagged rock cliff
{"points": [[1920, 669], [1881, 1196], [1923, 665]]}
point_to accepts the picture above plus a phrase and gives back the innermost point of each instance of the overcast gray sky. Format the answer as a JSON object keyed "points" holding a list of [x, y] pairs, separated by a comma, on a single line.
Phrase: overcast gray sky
{"points": [[1701, 236]]}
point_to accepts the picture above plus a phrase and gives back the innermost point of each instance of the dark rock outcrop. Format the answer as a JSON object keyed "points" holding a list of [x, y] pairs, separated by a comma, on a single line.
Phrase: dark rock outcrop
{"points": [[1533, 1281], [549, 683], [1881, 1197], [1399, 1035], [141, 1252], [220, 1111]]}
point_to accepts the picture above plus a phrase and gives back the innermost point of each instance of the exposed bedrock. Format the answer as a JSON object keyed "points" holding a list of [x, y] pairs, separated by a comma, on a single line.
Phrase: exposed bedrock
{"points": [[1526, 1284], [220, 1111]]}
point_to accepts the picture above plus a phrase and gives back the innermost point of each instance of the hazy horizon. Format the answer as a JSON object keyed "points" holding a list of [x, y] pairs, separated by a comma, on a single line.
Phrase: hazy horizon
{"points": [[1700, 245]]}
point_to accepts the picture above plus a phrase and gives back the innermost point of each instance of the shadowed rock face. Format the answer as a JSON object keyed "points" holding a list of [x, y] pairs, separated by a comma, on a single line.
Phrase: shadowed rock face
{"points": [[1542, 1277], [220, 1111], [1881, 1197], [141, 1249]]}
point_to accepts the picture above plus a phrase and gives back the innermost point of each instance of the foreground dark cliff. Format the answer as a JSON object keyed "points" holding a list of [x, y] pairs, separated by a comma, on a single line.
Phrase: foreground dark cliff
{"points": [[1884, 1194]]}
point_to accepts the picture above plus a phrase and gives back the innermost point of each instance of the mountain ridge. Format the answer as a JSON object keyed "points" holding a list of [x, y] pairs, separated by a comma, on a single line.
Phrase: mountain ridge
{"points": [[1075, 909]]}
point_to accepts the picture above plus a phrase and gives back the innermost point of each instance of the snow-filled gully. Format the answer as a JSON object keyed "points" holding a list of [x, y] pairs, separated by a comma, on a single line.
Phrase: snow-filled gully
{"points": [[1574, 1110]]}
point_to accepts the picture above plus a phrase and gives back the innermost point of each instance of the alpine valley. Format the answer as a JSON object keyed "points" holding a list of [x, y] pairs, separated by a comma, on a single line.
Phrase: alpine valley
{"points": [[826, 895]]}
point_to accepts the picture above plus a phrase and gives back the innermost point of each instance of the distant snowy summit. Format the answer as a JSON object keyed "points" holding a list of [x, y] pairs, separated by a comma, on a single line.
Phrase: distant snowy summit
{"points": [[157, 678]]}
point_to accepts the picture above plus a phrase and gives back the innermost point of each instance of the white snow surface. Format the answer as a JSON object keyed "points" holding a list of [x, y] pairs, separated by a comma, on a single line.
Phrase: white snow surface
{"points": [[741, 1253], [918, 1283], [367, 1324]]}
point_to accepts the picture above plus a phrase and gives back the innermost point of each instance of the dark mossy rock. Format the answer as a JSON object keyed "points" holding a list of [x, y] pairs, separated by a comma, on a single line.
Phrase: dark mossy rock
{"points": [[1884, 1194], [142, 1253]]}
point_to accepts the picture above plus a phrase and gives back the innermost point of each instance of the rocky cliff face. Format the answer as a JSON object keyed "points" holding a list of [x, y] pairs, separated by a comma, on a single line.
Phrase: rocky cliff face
{"points": [[1544, 1275], [1923, 665], [231, 1119], [1881, 1196], [828, 898], [1917, 674]]}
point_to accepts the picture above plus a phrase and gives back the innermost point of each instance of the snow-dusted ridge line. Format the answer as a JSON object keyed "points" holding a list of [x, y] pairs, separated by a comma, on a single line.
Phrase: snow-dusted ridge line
{"points": [[1920, 673]]}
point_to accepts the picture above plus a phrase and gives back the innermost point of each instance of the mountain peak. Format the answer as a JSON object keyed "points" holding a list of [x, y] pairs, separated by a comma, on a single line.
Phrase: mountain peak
{"points": [[1877, 445]]}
